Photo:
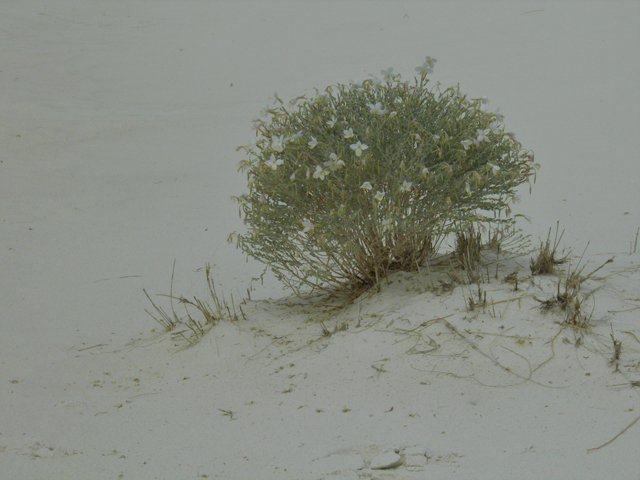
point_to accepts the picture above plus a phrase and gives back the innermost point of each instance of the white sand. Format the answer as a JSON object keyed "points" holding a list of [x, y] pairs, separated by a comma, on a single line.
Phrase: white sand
{"points": [[119, 122]]}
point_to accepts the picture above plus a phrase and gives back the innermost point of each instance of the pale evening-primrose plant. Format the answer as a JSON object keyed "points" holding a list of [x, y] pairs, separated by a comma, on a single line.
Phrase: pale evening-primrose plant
{"points": [[364, 179]]}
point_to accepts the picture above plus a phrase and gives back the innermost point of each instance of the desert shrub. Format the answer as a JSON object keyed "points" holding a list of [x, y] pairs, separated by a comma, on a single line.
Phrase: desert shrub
{"points": [[368, 178]]}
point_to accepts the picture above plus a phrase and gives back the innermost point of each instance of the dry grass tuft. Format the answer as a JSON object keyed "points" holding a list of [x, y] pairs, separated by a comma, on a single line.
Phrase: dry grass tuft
{"points": [[467, 249], [570, 301], [546, 261], [212, 311], [480, 302]]}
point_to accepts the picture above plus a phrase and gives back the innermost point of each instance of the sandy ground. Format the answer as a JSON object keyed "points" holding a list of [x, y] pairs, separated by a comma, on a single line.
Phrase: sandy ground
{"points": [[118, 127]]}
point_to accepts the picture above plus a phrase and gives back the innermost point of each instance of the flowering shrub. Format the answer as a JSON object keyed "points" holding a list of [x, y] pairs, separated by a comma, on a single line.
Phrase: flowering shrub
{"points": [[369, 178]]}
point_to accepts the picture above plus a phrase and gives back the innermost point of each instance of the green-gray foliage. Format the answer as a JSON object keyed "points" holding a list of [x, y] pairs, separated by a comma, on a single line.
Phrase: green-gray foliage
{"points": [[369, 178]]}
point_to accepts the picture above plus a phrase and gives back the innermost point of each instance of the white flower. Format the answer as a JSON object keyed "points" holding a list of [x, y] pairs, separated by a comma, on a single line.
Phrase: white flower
{"points": [[357, 86], [482, 134], [312, 143], [273, 162], [494, 168], [386, 224], [277, 143], [393, 114], [406, 186], [292, 177], [308, 226], [398, 100], [376, 108], [358, 148], [252, 145], [366, 186], [376, 83], [436, 138], [388, 73], [408, 211], [466, 143], [320, 172], [468, 188], [425, 171], [427, 66], [294, 137], [430, 62], [264, 111], [494, 127], [334, 163], [379, 196], [498, 116], [273, 97], [332, 122], [348, 133]]}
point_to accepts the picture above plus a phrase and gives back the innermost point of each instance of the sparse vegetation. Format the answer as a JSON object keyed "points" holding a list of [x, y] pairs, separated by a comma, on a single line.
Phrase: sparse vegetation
{"points": [[546, 261], [212, 311], [477, 301], [467, 250], [568, 298]]}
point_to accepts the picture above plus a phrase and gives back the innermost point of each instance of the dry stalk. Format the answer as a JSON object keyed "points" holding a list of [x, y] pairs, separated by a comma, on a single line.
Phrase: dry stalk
{"points": [[617, 351]]}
